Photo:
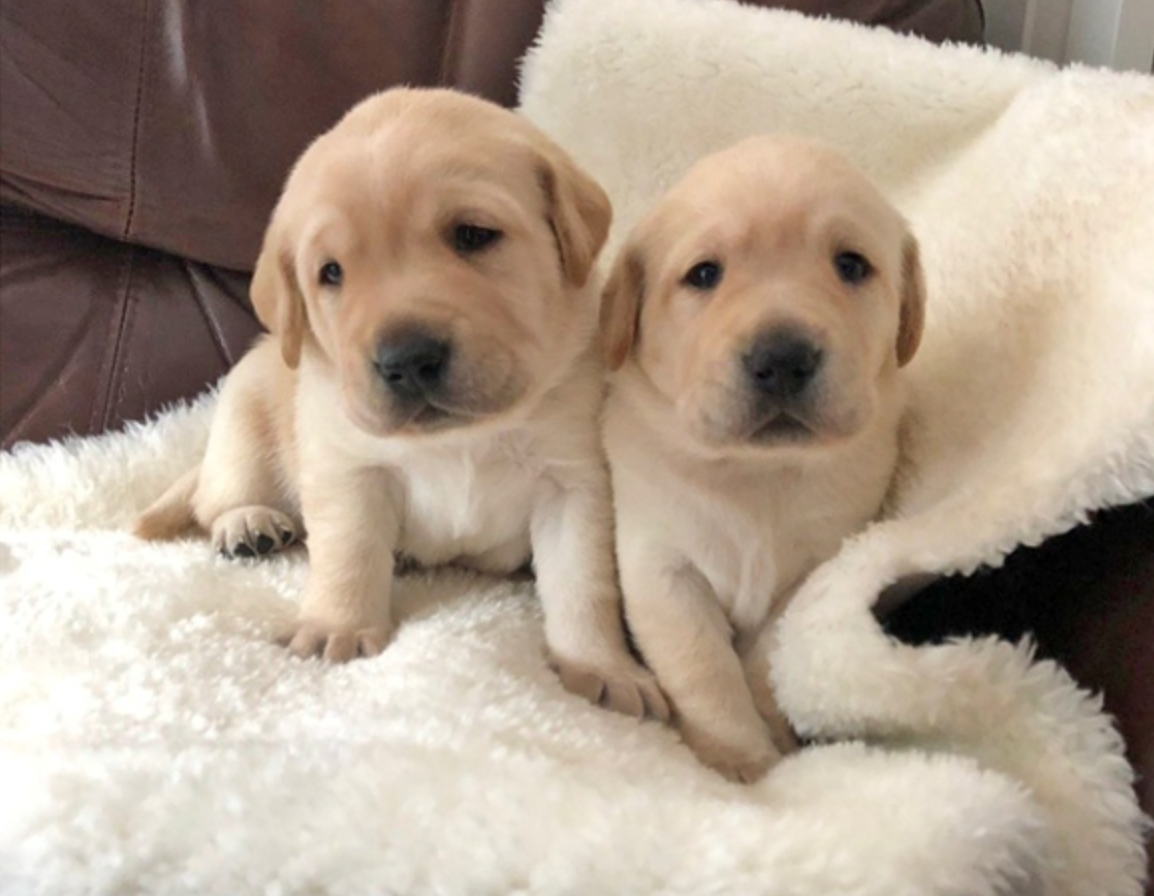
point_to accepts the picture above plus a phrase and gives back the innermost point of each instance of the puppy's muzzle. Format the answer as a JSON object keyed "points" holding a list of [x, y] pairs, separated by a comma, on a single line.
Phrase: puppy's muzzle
{"points": [[782, 370], [781, 365], [413, 366]]}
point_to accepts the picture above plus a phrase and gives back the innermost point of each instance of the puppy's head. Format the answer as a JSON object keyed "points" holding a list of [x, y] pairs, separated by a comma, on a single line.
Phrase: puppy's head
{"points": [[770, 297], [432, 247]]}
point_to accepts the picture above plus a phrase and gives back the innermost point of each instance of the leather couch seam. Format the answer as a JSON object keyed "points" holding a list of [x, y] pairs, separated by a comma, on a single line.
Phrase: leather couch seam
{"points": [[448, 42], [214, 330], [110, 372], [137, 119]]}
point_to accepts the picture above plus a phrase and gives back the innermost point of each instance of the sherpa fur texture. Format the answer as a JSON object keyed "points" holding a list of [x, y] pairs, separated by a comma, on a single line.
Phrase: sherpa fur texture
{"points": [[154, 742]]}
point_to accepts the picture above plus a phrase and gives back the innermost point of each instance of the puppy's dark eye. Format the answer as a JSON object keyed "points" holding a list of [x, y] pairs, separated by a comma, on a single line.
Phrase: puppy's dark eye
{"points": [[469, 238], [330, 274], [851, 267], [704, 275]]}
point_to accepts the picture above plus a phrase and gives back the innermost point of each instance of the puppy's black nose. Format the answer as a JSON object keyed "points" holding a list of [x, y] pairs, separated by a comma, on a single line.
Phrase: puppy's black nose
{"points": [[782, 363], [412, 365]]}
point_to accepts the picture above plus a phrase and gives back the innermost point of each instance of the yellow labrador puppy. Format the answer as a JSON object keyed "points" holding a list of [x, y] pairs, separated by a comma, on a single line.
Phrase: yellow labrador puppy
{"points": [[757, 319], [432, 385]]}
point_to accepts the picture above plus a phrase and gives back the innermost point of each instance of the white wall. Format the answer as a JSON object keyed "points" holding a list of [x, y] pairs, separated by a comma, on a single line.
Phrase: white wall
{"points": [[1114, 33]]}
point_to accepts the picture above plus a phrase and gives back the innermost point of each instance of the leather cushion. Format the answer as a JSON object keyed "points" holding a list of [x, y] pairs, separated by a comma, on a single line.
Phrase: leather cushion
{"points": [[173, 124], [96, 331]]}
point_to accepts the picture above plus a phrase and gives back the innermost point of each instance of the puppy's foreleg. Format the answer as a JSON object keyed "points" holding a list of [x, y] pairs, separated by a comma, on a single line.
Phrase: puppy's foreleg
{"points": [[171, 514], [243, 496], [572, 537], [755, 657], [353, 525], [685, 638]]}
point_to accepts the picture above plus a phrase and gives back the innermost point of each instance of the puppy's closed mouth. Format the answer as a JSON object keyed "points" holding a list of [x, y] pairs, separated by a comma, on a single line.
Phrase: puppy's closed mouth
{"points": [[436, 413], [782, 427], [427, 415]]}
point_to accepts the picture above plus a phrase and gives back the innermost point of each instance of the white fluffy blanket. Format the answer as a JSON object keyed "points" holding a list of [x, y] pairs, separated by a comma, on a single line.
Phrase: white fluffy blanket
{"points": [[154, 742]]}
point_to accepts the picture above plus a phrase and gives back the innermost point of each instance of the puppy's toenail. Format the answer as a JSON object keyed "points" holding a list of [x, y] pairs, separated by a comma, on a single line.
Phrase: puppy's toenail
{"points": [[264, 544], [242, 550]]}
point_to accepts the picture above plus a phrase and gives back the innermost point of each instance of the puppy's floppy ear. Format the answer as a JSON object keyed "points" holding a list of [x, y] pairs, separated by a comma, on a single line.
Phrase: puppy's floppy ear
{"points": [[276, 296], [913, 309], [621, 306], [579, 212]]}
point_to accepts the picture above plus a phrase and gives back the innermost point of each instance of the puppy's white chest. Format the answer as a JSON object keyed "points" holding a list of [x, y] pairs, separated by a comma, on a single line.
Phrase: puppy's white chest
{"points": [[471, 506], [739, 554]]}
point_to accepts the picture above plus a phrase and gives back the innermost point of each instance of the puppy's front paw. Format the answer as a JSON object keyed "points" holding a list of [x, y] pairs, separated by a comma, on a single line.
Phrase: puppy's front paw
{"points": [[253, 531], [334, 644], [620, 684], [740, 763]]}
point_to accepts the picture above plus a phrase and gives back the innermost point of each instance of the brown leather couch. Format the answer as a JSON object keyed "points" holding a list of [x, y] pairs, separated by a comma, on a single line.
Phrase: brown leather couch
{"points": [[143, 143]]}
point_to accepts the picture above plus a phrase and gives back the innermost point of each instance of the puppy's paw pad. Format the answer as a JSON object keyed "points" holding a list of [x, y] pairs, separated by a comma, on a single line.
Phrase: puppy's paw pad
{"points": [[621, 685], [334, 644], [253, 531]]}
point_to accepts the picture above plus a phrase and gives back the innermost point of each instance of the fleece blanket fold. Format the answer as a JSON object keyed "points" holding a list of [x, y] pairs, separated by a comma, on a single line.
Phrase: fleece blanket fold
{"points": [[154, 741]]}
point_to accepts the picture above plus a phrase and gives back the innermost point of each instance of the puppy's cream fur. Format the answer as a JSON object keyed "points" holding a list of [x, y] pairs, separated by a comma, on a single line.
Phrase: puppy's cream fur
{"points": [[727, 493], [425, 214]]}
